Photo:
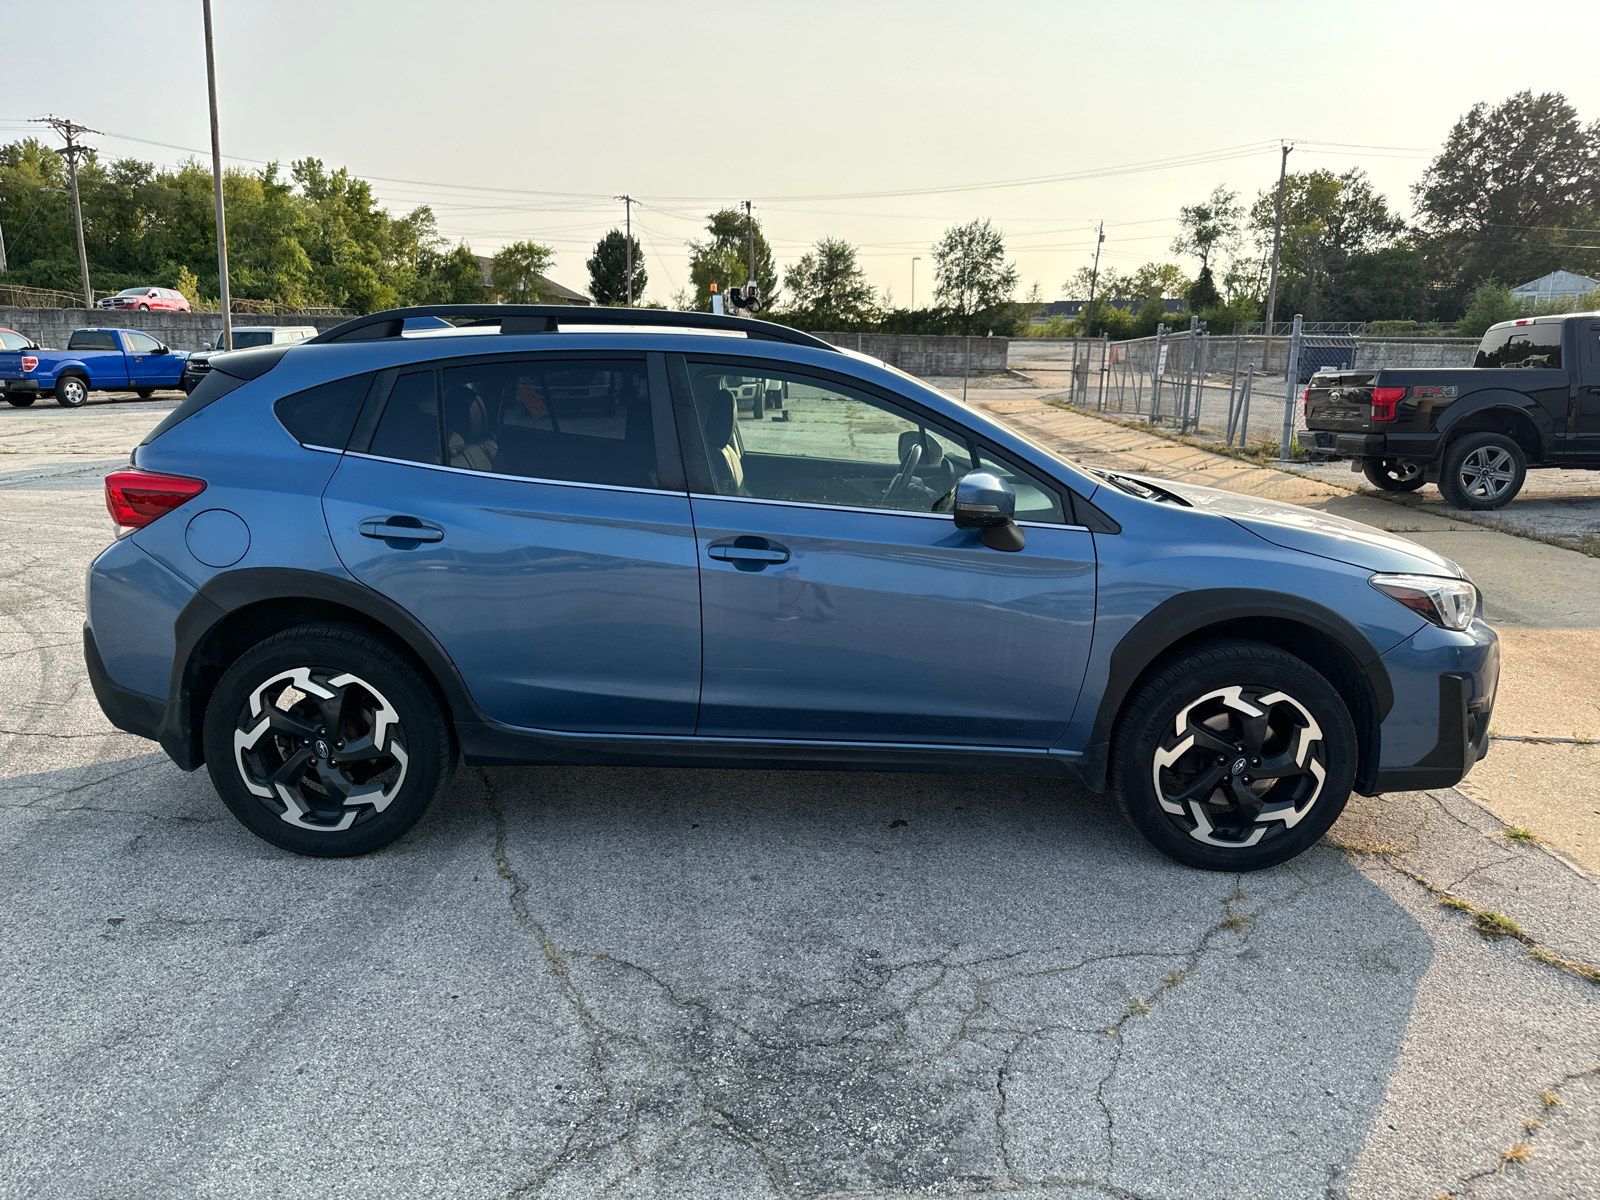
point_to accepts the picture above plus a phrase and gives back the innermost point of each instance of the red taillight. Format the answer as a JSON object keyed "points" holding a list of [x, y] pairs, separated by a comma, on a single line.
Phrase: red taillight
{"points": [[134, 498], [29, 362], [1305, 403], [1384, 400]]}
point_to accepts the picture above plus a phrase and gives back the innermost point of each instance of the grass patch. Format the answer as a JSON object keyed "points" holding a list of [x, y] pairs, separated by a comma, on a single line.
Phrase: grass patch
{"points": [[1570, 965], [1520, 1152], [1522, 834], [1376, 849], [1492, 926], [1532, 1123], [1456, 903], [1235, 923], [1137, 1008], [1550, 1100]]}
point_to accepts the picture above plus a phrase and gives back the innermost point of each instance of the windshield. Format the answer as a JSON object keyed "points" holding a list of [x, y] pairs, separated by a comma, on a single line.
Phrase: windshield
{"points": [[242, 340], [133, 291]]}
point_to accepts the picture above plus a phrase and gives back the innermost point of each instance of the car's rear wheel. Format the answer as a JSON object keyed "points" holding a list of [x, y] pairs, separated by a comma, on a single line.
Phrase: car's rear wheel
{"points": [[72, 391], [1234, 757], [1482, 471], [325, 741], [1394, 474], [20, 401], [144, 393]]}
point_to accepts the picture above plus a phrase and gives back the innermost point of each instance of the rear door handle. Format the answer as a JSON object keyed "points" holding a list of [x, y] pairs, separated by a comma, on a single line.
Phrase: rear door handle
{"points": [[400, 529], [748, 552]]}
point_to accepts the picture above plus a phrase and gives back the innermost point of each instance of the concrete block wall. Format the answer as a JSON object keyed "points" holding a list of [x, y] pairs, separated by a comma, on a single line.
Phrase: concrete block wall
{"points": [[182, 331], [927, 355], [1377, 353]]}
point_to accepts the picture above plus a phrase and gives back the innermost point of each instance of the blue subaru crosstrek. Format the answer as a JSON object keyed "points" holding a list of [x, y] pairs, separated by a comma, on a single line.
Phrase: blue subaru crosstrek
{"points": [[553, 535]]}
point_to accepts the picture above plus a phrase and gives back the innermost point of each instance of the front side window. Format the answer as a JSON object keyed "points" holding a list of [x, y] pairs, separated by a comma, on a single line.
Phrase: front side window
{"points": [[141, 343], [1036, 499], [13, 341], [775, 434], [1525, 346]]}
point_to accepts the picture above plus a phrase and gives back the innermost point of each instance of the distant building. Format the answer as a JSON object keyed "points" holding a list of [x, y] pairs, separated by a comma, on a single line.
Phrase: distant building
{"points": [[1067, 309], [1558, 285], [563, 295]]}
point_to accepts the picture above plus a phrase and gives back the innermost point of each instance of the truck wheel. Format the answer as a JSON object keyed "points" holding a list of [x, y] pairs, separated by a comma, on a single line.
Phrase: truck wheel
{"points": [[20, 400], [1482, 471], [1393, 474], [1233, 757], [324, 741], [72, 391], [144, 308], [145, 393]]}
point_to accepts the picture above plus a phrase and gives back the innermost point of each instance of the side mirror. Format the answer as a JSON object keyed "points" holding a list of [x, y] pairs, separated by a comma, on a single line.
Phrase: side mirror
{"points": [[986, 502], [207, 346], [161, 350]]}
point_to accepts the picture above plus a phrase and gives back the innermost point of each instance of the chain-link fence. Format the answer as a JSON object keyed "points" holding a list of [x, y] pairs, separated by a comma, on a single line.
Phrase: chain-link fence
{"points": [[1228, 387]]}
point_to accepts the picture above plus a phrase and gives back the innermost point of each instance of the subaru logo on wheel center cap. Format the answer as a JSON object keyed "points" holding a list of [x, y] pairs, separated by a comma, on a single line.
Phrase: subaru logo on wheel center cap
{"points": [[1238, 766], [322, 751]]}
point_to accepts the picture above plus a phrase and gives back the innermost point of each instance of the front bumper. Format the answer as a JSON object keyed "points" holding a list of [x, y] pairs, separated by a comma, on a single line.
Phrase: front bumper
{"points": [[1445, 685]]}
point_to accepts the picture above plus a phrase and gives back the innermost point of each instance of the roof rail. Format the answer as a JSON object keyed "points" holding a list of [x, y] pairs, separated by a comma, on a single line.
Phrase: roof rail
{"points": [[548, 318]]}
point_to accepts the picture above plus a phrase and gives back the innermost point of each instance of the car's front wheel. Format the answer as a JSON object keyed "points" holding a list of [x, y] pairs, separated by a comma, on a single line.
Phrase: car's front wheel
{"points": [[325, 741], [144, 393], [1394, 474], [1234, 757], [72, 391]]}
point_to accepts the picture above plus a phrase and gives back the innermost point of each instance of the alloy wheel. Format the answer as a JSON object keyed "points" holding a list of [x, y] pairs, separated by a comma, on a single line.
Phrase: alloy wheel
{"points": [[322, 748], [1240, 764], [1487, 473]]}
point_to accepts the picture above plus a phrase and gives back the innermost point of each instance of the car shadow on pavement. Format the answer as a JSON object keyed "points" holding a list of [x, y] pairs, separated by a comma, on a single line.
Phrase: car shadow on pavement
{"points": [[698, 982]]}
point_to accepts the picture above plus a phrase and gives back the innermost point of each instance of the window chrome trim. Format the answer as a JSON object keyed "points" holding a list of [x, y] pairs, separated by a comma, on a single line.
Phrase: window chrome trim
{"points": [[604, 487], [880, 512]]}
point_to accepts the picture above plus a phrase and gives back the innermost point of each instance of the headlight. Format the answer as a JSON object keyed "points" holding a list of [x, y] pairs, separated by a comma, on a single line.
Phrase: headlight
{"points": [[1446, 602]]}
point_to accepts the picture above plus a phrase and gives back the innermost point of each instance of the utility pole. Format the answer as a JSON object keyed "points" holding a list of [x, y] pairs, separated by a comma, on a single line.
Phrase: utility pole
{"points": [[750, 229], [216, 177], [70, 131], [1094, 276], [627, 204], [915, 259], [1277, 241]]}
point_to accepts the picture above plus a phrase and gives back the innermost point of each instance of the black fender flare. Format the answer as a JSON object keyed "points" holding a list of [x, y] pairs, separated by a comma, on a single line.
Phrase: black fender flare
{"points": [[1490, 400], [1180, 617], [228, 593]]}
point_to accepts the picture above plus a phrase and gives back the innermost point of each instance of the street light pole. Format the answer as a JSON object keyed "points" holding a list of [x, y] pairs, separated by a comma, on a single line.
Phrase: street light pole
{"points": [[1094, 275], [627, 204], [1277, 241], [915, 259], [750, 229], [216, 176], [69, 131]]}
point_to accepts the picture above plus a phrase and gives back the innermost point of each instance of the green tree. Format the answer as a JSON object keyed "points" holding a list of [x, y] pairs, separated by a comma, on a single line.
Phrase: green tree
{"points": [[723, 259], [1164, 281], [1491, 302], [449, 277], [518, 274], [971, 274], [1328, 219], [1202, 293], [829, 290], [1108, 284], [1514, 194], [1206, 226], [608, 270]]}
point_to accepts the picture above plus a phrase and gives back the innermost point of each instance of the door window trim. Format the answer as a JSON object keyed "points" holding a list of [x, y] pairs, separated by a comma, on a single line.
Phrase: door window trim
{"points": [[871, 512], [575, 483]]}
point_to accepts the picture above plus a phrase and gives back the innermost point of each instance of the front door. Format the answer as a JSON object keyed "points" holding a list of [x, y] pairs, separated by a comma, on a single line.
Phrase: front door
{"points": [[517, 508], [146, 368], [839, 605], [1586, 399]]}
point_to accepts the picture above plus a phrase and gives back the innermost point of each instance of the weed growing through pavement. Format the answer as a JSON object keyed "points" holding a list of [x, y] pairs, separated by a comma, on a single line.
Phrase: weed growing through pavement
{"points": [[1532, 1123], [1521, 1152], [1376, 849], [1492, 926], [1520, 833], [1550, 1100], [1571, 966]]}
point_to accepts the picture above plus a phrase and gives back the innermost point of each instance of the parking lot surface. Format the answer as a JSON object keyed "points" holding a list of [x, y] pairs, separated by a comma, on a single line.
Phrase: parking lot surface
{"points": [[652, 983]]}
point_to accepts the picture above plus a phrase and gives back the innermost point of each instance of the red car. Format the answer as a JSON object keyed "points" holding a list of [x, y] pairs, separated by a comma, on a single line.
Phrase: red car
{"points": [[155, 299]]}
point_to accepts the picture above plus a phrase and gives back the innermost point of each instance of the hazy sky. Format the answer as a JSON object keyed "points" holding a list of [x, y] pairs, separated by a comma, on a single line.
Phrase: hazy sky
{"points": [[522, 120]]}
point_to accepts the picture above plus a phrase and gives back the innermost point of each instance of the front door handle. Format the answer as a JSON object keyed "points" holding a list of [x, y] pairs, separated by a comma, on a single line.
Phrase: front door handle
{"points": [[400, 529], [748, 552]]}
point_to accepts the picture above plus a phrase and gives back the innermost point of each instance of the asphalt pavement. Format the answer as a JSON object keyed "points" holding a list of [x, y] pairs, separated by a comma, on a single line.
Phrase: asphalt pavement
{"points": [[674, 983]]}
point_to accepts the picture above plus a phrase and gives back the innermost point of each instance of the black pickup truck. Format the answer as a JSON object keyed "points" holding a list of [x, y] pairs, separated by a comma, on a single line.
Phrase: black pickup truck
{"points": [[1530, 399]]}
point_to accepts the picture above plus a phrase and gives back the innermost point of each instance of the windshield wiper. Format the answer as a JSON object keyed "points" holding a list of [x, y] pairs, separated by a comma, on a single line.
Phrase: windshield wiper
{"points": [[1141, 489]]}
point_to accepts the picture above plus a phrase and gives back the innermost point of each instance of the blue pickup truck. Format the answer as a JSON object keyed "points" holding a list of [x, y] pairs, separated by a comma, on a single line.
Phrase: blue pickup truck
{"points": [[116, 360]]}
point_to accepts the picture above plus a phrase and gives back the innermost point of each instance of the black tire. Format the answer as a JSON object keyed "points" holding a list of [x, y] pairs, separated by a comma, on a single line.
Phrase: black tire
{"points": [[144, 308], [1303, 737], [1482, 471], [1394, 474], [72, 391], [378, 708], [21, 400], [144, 393]]}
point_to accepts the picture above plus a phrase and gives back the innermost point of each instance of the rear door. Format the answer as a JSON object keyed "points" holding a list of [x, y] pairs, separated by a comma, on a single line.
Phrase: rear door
{"points": [[530, 512], [841, 603], [1586, 393]]}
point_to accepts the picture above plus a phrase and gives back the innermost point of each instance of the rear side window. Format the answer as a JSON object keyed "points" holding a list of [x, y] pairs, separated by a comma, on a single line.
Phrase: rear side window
{"points": [[561, 419], [409, 428], [1525, 346], [92, 339], [324, 415]]}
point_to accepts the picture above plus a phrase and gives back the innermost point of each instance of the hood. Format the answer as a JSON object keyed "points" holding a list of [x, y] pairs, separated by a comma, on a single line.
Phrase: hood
{"points": [[1296, 528]]}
